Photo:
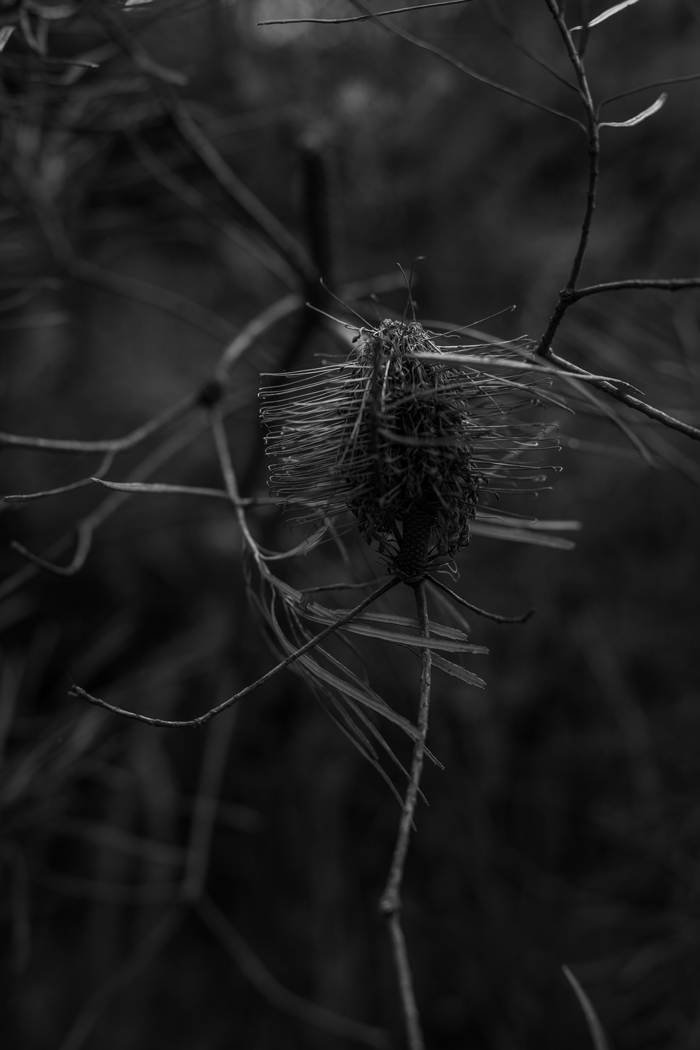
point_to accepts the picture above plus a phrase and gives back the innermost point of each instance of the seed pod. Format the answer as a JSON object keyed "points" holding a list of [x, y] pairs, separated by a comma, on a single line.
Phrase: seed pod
{"points": [[410, 446]]}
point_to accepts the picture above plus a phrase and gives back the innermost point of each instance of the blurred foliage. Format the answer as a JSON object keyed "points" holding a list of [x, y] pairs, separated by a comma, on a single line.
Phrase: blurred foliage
{"points": [[566, 823]]}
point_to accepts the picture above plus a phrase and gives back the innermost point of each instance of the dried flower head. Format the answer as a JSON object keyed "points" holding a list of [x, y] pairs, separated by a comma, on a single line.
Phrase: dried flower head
{"points": [[410, 444]]}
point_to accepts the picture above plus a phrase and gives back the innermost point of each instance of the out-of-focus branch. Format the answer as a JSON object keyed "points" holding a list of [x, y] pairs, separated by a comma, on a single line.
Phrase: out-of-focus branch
{"points": [[197, 202], [446, 57], [88, 526], [147, 949], [275, 993], [150, 295], [204, 149], [391, 902], [113, 445], [211, 778], [253, 330], [121, 284]]}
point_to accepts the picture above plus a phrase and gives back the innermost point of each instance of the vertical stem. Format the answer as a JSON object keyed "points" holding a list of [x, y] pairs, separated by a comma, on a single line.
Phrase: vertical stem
{"points": [[567, 294], [391, 903]]}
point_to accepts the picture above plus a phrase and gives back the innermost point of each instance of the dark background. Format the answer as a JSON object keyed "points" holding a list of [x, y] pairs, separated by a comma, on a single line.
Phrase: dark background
{"points": [[565, 825]]}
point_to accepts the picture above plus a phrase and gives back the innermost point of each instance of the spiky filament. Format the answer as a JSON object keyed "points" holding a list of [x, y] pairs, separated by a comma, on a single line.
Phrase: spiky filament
{"points": [[409, 446]]}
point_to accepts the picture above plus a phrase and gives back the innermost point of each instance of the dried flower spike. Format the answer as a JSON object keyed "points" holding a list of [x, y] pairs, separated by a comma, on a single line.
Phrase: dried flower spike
{"points": [[410, 445]]}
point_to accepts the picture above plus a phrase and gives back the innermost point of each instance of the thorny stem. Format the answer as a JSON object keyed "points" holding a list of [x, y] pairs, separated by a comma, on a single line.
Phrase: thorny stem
{"points": [[208, 715], [391, 903]]}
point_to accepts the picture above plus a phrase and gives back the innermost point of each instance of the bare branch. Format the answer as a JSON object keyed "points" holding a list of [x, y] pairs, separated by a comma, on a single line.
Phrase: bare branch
{"points": [[82, 549], [254, 329], [87, 527], [593, 133], [151, 295], [71, 487], [390, 903], [668, 82], [670, 284], [446, 57], [113, 445], [201, 720], [630, 400], [475, 608], [360, 18], [195, 200], [159, 488], [500, 21]]}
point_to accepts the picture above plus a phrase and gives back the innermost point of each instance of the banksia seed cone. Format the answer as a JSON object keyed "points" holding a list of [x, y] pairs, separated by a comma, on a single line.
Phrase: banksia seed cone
{"points": [[411, 446]]}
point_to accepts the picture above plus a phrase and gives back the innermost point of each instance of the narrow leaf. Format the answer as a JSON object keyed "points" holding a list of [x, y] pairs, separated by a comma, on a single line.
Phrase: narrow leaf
{"points": [[654, 108], [361, 696], [555, 526], [605, 14], [538, 539], [445, 644], [458, 672], [594, 1025], [438, 630], [5, 34]]}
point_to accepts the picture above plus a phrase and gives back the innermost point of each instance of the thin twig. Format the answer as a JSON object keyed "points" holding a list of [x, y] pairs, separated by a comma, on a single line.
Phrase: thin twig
{"points": [[500, 21], [150, 295], [85, 532], [201, 145], [200, 204], [161, 489], [253, 330], [630, 400], [446, 57], [87, 527], [593, 134], [360, 18], [27, 497], [475, 608], [201, 720], [669, 284], [668, 82], [391, 901], [134, 437]]}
